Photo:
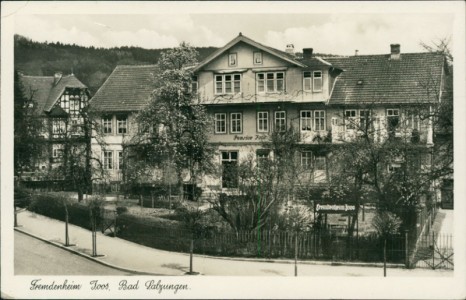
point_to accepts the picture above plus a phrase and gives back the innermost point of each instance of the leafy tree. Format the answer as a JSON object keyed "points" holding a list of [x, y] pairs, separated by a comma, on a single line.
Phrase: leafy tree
{"points": [[174, 126], [79, 165], [386, 225], [28, 126], [265, 185]]}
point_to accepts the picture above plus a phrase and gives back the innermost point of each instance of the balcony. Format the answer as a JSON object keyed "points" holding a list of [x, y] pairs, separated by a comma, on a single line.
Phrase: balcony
{"points": [[315, 137]]}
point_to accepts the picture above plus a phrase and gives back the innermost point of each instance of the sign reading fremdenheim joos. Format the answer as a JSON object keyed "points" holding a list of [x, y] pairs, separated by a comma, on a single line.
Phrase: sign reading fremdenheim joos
{"points": [[335, 208]]}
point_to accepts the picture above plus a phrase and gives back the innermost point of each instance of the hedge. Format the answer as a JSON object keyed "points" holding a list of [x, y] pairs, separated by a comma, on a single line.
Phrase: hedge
{"points": [[52, 205]]}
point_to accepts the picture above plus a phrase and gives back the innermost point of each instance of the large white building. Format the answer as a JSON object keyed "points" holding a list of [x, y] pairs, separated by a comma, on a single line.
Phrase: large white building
{"points": [[251, 90]]}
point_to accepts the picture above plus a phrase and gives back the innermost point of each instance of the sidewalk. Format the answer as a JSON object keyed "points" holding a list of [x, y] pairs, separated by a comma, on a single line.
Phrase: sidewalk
{"points": [[140, 259]]}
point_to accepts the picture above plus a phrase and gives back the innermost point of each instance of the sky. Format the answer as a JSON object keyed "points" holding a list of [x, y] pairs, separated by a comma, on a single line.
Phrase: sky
{"points": [[335, 33]]}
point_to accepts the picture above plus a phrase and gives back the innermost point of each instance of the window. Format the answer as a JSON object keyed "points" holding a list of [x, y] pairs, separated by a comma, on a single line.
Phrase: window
{"points": [[194, 85], [122, 124], [57, 151], [65, 102], [306, 120], [236, 120], [58, 127], [232, 60], [120, 160], [350, 119], [280, 121], [262, 121], [306, 159], [320, 163], [229, 169], [220, 123], [258, 58], [74, 105], [262, 155], [412, 119], [319, 120], [76, 126], [228, 84], [393, 119], [317, 81], [108, 160], [307, 81], [394, 168], [270, 82], [364, 118], [107, 124]]}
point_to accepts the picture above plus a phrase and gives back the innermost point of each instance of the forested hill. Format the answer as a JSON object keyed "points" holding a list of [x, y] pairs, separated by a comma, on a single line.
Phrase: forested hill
{"points": [[91, 65]]}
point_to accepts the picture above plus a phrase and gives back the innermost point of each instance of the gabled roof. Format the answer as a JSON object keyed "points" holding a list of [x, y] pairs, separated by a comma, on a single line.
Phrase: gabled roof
{"points": [[45, 92], [379, 79], [128, 88], [242, 38]]}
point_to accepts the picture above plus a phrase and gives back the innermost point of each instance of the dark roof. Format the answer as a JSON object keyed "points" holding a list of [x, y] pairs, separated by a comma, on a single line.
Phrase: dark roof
{"points": [[383, 80], [128, 88], [45, 92], [315, 62]]}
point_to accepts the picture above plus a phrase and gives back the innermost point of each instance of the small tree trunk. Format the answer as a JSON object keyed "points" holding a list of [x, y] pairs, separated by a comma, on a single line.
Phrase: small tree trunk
{"points": [[67, 239], [296, 255], [191, 249], [385, 257], [80, 195]]}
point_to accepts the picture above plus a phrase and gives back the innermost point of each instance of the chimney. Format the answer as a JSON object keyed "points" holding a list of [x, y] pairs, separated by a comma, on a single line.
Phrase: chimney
{"points": [[290, 49], [307, 53], [394, 51], [57, 77], [356, 52]]}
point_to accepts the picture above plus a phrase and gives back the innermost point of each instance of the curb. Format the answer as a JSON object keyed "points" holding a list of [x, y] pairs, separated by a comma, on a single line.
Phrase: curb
{"points": [[305, 262], [135, 272]]}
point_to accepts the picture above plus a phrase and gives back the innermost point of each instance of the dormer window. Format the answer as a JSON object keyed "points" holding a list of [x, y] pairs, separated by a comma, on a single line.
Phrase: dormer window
{"points": [[232, 59], [258, 58], [307, 77], [317, 81], [227, 84]]}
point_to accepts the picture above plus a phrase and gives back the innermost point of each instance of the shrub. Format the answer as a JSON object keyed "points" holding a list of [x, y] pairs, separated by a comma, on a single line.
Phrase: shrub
{"points": [[121, 210], [53, 205], [22, 197]]}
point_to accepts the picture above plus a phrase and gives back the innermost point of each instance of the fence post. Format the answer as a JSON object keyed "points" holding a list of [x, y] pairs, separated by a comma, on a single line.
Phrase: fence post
{"points": [[16, 216], [406, 250]]}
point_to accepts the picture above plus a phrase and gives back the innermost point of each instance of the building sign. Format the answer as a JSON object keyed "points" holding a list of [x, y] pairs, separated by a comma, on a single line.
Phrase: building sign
{"points": [[335, 208], [257, 137]]}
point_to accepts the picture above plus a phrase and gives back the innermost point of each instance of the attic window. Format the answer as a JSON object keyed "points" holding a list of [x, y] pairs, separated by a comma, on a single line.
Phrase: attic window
{"points": [[232, 60], [360, 82], [258, 58]]}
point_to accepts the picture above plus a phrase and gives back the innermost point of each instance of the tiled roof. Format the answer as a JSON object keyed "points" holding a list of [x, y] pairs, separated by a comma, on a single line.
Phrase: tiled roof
{"points": [[39, 87], [382, 80], [316, 62], [45, 92], [128, 88]]}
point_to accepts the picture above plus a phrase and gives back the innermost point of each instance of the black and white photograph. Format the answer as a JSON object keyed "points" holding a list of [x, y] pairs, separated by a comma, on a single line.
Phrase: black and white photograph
{"points": [[233, 150]]}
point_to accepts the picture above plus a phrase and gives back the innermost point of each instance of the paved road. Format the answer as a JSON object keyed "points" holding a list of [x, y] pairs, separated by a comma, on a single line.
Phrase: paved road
{"points": [[34, 257]]}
